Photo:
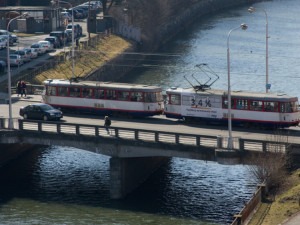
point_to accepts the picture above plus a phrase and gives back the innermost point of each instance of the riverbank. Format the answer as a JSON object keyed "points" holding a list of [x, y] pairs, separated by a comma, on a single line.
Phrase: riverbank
{"points": [[282, 207]]}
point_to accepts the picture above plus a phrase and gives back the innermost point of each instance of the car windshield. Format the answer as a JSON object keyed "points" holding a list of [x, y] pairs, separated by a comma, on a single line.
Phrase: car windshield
{"points": [[13, 56], [49, 39], [35, 46], [46, 107]]}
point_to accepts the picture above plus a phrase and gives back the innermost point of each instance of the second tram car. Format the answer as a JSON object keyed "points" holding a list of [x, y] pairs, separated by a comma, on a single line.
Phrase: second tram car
{"points": [[248, 108], [104, 97]]}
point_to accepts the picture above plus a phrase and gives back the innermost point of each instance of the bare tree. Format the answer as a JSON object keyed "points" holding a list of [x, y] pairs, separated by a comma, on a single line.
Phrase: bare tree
{"points": [[270, 167]]}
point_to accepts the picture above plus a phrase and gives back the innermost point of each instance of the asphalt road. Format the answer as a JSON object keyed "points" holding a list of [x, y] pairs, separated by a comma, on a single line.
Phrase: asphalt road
{"points": [[160, 123]]}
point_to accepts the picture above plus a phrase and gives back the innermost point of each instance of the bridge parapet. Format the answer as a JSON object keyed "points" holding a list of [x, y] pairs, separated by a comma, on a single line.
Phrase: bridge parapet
{"points": [[158, 143]]}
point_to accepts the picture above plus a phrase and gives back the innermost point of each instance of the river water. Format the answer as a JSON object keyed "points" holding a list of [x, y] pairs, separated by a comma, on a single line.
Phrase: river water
{"points": [[60, 185]]}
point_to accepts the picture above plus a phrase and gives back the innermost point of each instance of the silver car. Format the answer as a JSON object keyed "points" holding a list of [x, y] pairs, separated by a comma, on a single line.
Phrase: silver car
{"points": [[32, 51], [40, 48], [15, 60], [47, 45], [24, 54]]}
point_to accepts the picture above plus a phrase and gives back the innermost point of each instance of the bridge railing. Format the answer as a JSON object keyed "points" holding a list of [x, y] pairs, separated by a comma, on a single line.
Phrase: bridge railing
{"points": [[140, 135], [117, 132]]}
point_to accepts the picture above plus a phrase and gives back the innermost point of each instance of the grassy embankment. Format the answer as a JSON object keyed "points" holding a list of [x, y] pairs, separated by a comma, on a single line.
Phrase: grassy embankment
{"points": [[87, 60], [282, 206]]}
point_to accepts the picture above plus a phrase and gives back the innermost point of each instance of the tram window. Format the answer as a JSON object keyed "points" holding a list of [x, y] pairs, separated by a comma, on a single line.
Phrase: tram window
{"points": [[111, 94], [136, 96], [158, 96], [225, 103], [241, 104], [150, 97], [51, 90], [123, 95], [271, 106], [288, 107], [74, 92], [87, 93], [175, 99], [62, 91], [99, 94], [256, 105]]}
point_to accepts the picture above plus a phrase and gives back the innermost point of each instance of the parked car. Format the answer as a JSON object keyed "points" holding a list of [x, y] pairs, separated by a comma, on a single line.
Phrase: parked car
{"points": [[5, 32], [60, 35], [66, 15], [32, 51], [47, 45], [81, 11], [40, 111], [3, 64], [3, 43], [15, 60], [24, 54], [39, 47], [69, 31], [54, 41], [5, 36], [68, 36], [77, 28]]}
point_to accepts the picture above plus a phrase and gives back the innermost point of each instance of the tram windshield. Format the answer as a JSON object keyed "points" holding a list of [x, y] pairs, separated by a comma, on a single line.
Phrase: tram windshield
{"points": [[153, 97], [287, 107]]}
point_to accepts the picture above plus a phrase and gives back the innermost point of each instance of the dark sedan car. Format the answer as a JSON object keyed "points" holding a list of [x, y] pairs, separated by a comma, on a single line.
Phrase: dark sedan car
{"points": [[40, 111]]}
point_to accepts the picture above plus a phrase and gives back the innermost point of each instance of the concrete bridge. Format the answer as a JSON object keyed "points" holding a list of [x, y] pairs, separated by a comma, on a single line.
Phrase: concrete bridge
{"points": [[135, 153]]}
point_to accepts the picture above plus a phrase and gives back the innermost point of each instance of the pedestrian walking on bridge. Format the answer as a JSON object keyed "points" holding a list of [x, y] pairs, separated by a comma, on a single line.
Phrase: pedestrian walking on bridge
{"points": [[107, 123]]}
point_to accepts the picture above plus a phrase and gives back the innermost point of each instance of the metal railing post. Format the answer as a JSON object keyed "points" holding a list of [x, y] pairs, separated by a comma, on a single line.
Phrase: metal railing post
{"points": [[58, 128], [39, 126], [177, 138], [198, 141], [136, 135], [97, 131], [20, 124], [77, 130], [156, 137]]}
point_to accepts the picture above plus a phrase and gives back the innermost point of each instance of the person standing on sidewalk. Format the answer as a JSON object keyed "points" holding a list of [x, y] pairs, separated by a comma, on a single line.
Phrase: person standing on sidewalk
{"points": [[23, 85]]}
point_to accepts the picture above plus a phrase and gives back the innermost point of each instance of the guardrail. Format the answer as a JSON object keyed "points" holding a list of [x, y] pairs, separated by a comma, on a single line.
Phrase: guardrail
{"points": [[142, 135], [250, 206]]}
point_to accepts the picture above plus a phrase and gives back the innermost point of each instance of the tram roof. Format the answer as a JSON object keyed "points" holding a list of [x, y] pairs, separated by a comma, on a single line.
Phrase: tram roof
{"points": [[237, 94], [104, 85]]}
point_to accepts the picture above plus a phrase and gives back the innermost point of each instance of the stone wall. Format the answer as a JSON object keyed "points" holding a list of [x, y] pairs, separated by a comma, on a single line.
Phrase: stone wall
{"points": [[160, 20]]}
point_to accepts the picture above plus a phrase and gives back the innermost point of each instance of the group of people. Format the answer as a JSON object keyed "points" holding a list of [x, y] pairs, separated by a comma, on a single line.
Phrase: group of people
{"points": [[21, 88]]}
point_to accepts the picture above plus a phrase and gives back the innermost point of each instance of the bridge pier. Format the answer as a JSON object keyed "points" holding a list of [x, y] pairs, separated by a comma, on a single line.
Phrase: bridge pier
{"points": [[9, 152], [126, 174]]}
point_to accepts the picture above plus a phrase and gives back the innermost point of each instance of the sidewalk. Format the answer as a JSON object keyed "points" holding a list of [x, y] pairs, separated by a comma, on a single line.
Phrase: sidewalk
{"points": [[14, 98], [294, 220]]}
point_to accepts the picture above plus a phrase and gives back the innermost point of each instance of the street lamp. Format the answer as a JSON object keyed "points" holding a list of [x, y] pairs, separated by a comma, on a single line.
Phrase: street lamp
{"points": [[60, 1], [251, 10], [230, 143], [10, 124]]}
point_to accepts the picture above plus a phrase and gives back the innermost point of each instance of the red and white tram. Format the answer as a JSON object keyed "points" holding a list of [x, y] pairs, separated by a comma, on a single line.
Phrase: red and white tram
{"points": [[104, 97], [248, 108]]}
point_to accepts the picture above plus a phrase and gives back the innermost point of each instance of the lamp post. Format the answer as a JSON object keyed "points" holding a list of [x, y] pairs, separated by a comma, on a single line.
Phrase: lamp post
{"points": [[60, 1], [10, 124], [251, 10], [230, 143]]}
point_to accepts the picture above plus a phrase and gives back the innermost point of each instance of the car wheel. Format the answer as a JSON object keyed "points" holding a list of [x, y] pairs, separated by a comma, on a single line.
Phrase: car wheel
{"points": [[45, 117], [25, 116]]}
